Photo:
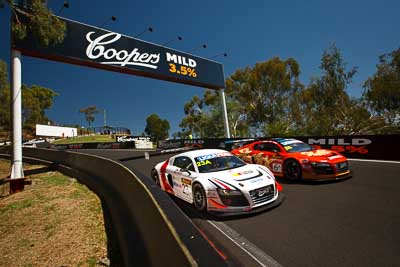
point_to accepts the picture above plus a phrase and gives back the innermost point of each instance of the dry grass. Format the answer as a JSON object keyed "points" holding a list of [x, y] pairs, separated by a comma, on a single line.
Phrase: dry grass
{"points": [[85, 139], [54, 222]]}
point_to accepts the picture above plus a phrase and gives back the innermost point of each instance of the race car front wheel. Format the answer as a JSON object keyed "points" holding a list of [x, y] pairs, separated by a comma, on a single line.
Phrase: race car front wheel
{"points": [[199, 197], [292, 170], [155, 177]]}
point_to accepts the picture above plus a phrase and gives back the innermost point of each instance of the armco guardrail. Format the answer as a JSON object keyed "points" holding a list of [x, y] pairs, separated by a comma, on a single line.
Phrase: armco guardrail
{"points": [[145, 228]]}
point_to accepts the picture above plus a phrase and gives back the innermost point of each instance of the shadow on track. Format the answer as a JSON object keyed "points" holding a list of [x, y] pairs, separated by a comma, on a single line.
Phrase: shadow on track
{"points": [[313, 183]]}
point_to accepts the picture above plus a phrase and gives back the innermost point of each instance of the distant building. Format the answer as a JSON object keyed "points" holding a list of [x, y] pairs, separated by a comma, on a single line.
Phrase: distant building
{"points": [[55, 131]]}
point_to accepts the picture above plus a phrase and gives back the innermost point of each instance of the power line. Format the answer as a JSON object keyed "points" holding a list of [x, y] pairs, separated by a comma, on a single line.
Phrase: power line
{"points": [[149, 29]]}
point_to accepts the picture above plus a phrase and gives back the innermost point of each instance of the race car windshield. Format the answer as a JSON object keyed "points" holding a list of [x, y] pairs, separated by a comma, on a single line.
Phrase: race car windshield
{"points": [[217, 164], [298, 147]]}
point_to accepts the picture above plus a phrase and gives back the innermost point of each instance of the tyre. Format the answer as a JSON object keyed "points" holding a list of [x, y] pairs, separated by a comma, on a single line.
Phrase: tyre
{"points": [[292, 170], [154, 176], [199, 198]]}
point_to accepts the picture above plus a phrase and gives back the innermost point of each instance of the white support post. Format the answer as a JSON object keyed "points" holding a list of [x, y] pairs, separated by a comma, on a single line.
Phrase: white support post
{"points": [[104, 117], [17, 170], [225, 113]]}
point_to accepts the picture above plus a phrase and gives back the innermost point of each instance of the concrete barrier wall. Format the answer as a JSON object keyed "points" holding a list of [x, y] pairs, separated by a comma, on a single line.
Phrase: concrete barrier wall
{"points": [[383, 147], [146, 227]]}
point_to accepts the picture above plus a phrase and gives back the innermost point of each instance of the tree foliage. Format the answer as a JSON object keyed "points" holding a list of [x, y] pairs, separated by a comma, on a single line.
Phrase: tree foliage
{"points": [[35, 101], [265, 93], [259, 100], [89, 113], [382, 90], [326, 103], [156, 127], [268, 99], [33, 17], [4, 96]]}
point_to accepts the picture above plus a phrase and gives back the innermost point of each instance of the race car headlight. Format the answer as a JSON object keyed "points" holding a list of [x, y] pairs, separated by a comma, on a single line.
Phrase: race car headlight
{"points": [[232, 197], [226, 192], [320, 164], [322, 168]]}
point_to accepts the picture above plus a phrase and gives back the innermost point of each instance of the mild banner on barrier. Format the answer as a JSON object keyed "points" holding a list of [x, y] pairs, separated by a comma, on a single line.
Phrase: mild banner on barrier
{"points": [[383, 147]]}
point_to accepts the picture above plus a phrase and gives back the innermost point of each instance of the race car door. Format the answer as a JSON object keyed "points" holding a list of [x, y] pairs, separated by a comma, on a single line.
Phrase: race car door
{"points": [[182, 177], [269, 151]]}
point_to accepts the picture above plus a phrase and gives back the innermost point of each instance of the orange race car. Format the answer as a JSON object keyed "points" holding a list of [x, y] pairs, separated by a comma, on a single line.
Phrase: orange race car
{"points": [[295, 160]]}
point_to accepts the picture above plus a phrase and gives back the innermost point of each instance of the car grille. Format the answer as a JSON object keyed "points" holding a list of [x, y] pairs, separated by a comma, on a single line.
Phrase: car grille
{"points": [[262, 194], [342, 167], [323, 169]]}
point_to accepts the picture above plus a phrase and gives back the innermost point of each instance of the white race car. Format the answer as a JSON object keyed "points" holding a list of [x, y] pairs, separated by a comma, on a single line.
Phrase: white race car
{"points": [[216, 181]]}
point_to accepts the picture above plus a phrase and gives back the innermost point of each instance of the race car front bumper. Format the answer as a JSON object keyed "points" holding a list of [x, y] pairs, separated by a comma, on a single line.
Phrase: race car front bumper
{"points": [[248, 210], [327, 177]]}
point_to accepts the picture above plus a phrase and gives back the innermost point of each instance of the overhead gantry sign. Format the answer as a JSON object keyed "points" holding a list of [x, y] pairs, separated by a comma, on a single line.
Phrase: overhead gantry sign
{"points": [[94, 47], [91, 46]]}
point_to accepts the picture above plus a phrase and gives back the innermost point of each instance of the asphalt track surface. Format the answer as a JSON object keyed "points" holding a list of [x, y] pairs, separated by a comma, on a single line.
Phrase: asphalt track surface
{"points": [[354, 222]]}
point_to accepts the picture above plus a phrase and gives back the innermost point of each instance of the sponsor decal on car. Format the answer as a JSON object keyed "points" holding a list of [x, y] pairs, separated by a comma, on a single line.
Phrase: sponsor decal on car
{"points": [[257, 180], [276, 167], [177, 185], [335, 157], [221, 184], [319, 152], [202, 163], [186, 181], [242, 173], [286, 142], [211, 156]]}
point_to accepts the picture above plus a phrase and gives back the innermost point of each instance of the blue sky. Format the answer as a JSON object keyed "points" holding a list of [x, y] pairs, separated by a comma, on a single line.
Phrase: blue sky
{"points": [[249, 31]]}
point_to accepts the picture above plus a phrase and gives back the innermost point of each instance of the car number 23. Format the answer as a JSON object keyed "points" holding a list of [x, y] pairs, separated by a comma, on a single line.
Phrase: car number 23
{"points": [[202, 163]]}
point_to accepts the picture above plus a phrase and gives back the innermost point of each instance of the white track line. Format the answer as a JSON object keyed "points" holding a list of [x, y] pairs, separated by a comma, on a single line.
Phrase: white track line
{"points": [[254, 252], [373, 160]]}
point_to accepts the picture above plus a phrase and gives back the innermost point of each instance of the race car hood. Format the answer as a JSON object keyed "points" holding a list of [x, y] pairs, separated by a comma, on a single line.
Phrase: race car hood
{"points": [[249, 175], [321, 155]]}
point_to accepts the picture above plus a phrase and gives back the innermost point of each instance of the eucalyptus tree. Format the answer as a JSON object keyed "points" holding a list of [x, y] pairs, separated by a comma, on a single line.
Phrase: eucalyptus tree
{"points": [[34, 17], [382, 90], [327, 106], [89, 113], [157, 128]]}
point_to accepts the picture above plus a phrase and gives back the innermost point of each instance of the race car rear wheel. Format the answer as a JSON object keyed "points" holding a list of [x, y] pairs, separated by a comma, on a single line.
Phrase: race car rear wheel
{"points": [[292, 170], [199, 197], [155, 177]]}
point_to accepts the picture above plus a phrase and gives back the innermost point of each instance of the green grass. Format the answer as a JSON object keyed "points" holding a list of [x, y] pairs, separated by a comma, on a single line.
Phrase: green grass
{"points": [[26, 203], [56, 179], [85, 139]]}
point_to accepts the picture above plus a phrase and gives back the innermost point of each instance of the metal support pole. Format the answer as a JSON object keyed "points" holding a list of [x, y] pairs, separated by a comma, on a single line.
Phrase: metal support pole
{"points": [[104, 117], [17, 171], [225, 113]]}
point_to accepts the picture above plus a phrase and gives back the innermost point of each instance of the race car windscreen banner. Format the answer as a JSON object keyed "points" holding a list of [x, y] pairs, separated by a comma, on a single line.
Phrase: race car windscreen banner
{"points": [[94, 47]]}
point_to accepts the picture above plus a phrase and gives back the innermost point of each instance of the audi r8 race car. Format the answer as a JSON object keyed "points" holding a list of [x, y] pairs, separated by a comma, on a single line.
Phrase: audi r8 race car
{"points": [[295, 160], [216, 181]]}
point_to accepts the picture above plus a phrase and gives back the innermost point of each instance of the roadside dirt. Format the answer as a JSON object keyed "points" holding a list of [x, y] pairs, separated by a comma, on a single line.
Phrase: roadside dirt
{"points": [[54, 222]]}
